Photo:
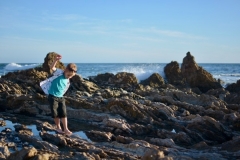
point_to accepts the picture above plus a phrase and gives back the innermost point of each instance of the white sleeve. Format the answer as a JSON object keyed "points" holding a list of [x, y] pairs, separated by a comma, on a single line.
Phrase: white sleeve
{"points": [[57, 72]]}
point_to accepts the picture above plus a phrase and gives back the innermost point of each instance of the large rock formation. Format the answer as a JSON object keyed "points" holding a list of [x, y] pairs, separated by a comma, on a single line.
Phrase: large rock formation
{"points": [[191, 74], [173, 74], [50, 57], [196, 76]]}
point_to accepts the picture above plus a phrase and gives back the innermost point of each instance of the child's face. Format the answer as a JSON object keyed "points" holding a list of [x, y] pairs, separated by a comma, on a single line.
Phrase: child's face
{"points": [[69, 73]]}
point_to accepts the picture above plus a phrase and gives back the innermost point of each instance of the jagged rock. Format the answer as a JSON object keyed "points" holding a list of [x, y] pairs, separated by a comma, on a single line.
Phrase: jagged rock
{"points": [[201, 100], [155, 80], [25, 153], [232, 145], [162, 142], [196, 76], [120, 124], [79, 84], [103, 78], [123, 80], [233, 98], [201, 146], [236, 124], [173, 73], [234, 87], [125, 108], [209, 129], [30, 76], [98, 136], [19, 127], [48, 60], [84, 156], [124, 140], [55, 139], [235, 107], [220, 93], [34, 154]]}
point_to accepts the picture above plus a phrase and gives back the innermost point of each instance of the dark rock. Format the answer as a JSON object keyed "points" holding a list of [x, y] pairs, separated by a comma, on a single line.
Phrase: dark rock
{"points": [[98, 136], [30, 76], [210, 130], [163, 142], [201, 146], [233, 98], [54, 139], [19, 127], [235, 107], [124, 140], [234, 87], [232, 146], [125, 108], [196, 76], [123, 80], [236, 124], [173, 74], [79, 84], [103, 78], [219, 93], [155, 80]]}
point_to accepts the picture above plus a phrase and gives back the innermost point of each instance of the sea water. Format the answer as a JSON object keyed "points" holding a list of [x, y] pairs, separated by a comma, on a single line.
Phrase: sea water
{"points": [[227, 72]]}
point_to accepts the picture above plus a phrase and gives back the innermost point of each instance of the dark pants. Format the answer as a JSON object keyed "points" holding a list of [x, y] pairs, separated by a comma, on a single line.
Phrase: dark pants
{"points": [[57, 106]]}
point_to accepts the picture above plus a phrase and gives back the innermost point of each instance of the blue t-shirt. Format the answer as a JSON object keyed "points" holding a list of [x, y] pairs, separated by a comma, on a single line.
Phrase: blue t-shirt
{"points": [[58, 86]]}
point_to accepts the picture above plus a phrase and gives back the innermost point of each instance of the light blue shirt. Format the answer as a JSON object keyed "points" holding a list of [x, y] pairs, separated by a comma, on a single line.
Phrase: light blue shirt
{"points": [[58, 86]]}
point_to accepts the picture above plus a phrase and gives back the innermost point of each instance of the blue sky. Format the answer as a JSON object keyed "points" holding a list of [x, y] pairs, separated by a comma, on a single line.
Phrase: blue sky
{"points": [[123, 31]]}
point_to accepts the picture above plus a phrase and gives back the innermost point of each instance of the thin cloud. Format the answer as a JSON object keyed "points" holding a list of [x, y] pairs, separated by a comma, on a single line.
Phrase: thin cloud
{"points": [[168, 33], [142, 38], [126, 20], [62, 17]]}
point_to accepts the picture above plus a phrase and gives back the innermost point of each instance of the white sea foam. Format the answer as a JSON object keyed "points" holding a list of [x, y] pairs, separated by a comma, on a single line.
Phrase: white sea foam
{"points": [[143, 72], [15, 66], [231, 75]]}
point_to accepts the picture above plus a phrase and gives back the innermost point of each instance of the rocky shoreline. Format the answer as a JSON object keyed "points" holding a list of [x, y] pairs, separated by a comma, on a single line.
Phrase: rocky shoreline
{"points": [[188, 115]]}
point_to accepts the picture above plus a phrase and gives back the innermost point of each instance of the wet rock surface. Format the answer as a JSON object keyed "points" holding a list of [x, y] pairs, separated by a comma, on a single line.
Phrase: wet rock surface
{"points": [[186, 116]]}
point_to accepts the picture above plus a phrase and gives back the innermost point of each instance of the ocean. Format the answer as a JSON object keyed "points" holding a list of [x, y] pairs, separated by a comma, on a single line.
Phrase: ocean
{"points": [[227, 72]]}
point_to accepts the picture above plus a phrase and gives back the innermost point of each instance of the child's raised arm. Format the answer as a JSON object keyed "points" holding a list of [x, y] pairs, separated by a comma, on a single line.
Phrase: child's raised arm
{"points": [[57, 58]]}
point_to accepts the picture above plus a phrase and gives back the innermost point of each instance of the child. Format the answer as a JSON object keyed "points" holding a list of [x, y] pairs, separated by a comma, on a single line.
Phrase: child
{"points": [[55, 87]]}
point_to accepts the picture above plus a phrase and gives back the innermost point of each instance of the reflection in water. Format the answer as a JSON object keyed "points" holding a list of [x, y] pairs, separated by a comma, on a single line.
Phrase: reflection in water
{"points": [[9, 124], [82, 135]]}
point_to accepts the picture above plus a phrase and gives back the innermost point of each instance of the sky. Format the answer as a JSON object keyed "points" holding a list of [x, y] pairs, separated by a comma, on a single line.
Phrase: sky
{"points": [[120, 31]]}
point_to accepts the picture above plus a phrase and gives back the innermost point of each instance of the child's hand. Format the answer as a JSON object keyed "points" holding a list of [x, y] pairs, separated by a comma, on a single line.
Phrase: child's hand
{"points": [[58, 57]]}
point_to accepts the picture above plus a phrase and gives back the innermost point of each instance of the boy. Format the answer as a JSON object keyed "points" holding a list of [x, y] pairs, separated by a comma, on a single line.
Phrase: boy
{"points": [[55, 87]]}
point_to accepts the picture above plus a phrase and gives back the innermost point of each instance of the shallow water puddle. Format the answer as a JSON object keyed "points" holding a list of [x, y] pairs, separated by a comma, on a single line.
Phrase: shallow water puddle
{"points": [[9, 124], [82, 135]]}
